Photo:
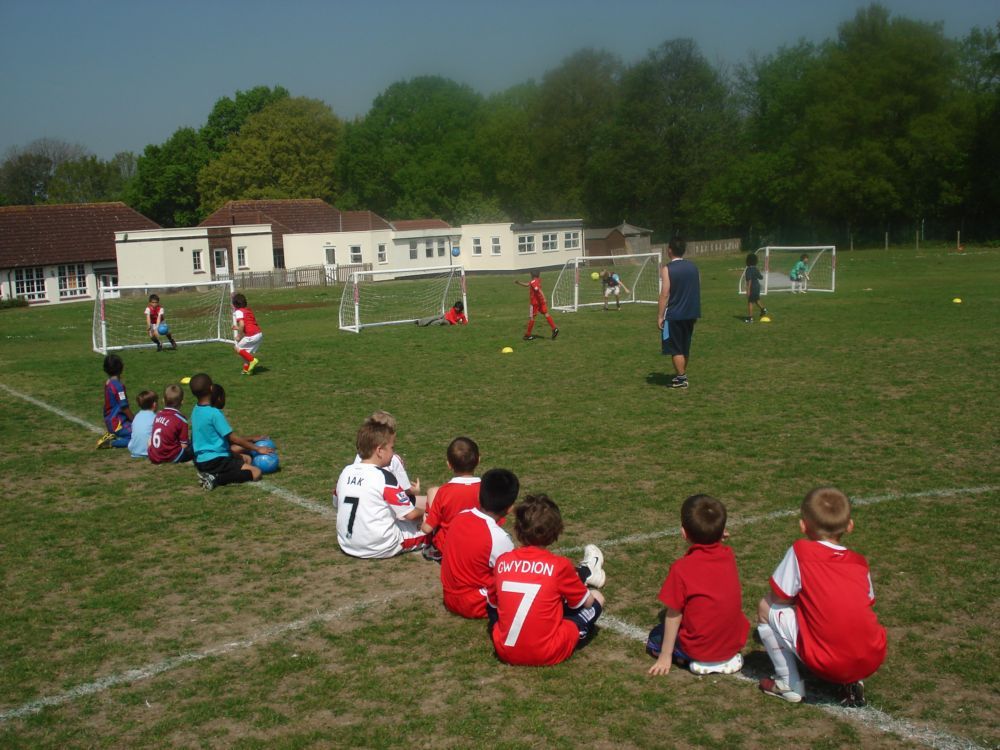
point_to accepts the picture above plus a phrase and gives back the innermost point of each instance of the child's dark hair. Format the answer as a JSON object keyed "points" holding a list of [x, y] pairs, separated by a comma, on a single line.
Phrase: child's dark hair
{"points": [[463, 455], [239, 300], [154, 298], [827, 512], [201, 385], [537, 521], [703, 518], [113, 365], [460, 306], [147, 399], [535, 274], [498, 490], [751, 259], [218, 396], [678, 246]]}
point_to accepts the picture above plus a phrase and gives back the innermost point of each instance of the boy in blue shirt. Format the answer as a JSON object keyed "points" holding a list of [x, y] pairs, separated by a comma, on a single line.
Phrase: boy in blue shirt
{"points": [[142, 425], [213, 438], [117, 414]]}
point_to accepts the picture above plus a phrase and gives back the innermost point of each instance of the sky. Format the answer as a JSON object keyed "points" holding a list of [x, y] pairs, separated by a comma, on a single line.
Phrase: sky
{"points": [[118, 75]]}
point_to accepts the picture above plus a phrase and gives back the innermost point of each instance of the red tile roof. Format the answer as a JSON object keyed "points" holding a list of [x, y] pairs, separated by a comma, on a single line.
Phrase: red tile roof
{"points": [[409, 224], [363, 221], [71, 233], [295, 216]]}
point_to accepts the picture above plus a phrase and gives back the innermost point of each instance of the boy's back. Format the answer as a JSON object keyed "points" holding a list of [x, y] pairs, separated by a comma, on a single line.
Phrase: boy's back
{"points": [[170, 435], [458, 494], [467, 569], [840, 638], [209, 429], [369, 503]]}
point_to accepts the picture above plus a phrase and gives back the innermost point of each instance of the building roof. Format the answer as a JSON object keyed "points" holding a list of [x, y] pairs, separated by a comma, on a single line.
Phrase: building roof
{"points": [[626, 229], [295, 216], [70, 233], [407, 225]]}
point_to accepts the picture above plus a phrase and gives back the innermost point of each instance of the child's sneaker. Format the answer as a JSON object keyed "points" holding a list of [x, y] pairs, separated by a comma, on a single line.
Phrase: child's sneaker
{"points": [[555, 332], [654, 641], [528, 337], [593, 558], [777, 688], [679, 381], [206, 480], [748, 320], [763, 311], [253, 363], [432, 553], [105, 440], [731, 666], [852, 695]]}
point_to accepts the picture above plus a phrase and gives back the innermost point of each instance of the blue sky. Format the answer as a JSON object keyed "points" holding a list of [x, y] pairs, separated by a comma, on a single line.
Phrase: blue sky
{"points": [[117, 75]]}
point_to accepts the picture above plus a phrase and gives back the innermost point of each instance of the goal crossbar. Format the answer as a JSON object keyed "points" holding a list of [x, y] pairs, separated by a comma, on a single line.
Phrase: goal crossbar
{"points": [[576, 288]]}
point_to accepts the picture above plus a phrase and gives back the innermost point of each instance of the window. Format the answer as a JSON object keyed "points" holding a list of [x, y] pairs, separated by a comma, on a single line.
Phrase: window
{"points": [[29, 283], [279, 257], [241, 257], [496, 245], [440, 248], [550, 242], [477, 246], [526, 244], [429, 249], [72, 281], [382, 256], [331, 256], [196, 260], [571, 240], [220, 258], [413, 251], [355, 253]]}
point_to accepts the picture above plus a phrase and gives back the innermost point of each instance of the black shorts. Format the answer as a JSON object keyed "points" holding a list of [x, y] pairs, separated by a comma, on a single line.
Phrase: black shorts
{"points": [[221, 465], [676, 337], [754, 295]]}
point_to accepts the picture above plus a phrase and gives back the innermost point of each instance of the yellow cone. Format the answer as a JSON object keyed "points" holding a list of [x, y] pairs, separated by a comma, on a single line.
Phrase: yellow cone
{"points": [[506, 350]]}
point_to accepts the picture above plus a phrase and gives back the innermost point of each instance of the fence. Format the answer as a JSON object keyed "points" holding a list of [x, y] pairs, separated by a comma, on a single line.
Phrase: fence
{"points": [[732, 246], [282, 278]]}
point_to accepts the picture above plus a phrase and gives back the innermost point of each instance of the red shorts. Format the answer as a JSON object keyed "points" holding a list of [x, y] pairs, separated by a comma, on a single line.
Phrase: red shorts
{"points": [[535, 309]]}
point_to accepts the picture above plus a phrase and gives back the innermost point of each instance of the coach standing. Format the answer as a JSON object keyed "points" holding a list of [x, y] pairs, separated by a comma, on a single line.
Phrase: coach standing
{"points": [[679, 308]]}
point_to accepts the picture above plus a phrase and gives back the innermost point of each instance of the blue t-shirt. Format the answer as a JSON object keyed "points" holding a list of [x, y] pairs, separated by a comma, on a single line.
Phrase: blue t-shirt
{"points": [[142, 430], [684, 302], [209, 430]]}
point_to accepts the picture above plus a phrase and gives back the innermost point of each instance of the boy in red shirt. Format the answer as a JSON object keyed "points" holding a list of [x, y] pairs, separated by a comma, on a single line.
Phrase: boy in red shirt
{"points": [[154, 317], [248, 333], [538, 305], [540, 608], [460, 493], [474, 544], [819, 608], [705, 627], [171, 438]]}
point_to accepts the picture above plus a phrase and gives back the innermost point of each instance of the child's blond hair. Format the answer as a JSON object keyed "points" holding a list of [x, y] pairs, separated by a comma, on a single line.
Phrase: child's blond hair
{"points": [[826, 512], [173, 395]]}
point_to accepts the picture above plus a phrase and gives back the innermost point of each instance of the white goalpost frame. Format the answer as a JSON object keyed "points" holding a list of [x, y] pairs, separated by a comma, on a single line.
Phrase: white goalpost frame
{"points": [[640, 273], [136, 298], [354, 295], [777, 279]]}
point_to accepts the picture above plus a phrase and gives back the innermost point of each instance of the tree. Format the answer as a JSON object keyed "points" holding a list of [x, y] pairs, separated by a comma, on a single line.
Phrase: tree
{"points": [[287, 150], [229, 115], [165, 187], [26, 172], [86, 180]]}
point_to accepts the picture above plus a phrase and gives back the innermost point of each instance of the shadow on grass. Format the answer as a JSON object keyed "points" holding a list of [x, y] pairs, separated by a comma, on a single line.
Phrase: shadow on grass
{"points": [[659, 378]]}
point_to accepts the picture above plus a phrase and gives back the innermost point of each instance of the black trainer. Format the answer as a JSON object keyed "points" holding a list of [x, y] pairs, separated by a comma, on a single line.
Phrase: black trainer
{"points": [[555, 332], [528, 337], [680, 381], [852, 695]]}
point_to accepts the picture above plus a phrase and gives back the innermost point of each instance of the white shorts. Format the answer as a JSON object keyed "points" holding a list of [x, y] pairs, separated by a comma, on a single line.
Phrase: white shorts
{"points": [[250, 343], [608, 291], [785, 624]]}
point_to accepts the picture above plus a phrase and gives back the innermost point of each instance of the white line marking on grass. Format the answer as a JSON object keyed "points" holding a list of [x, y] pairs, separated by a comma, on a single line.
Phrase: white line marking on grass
{"points": [[735, 522], [54, 410], [869, 716], [152, 670]]}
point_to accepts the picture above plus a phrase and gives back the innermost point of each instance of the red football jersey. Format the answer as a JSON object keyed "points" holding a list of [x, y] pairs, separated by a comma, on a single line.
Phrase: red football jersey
{"points": [[704, 586], [467, 569], [245, 314], [460, 493], [153, 312], [840, 638], [170, 436], [535, 292], [454, 317], [530, 588]]}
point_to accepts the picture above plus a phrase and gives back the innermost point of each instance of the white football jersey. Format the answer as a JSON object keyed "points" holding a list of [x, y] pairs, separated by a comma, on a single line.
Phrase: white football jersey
{"points": [[370, 500], [396, 468]]}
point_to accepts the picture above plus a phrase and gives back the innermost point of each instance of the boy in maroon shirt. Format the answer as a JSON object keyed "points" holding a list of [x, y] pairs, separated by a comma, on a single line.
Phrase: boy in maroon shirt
{"points": [[705, 627]]}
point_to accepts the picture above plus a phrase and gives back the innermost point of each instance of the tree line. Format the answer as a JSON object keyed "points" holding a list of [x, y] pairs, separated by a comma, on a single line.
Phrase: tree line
{"points": [[888, 127]]}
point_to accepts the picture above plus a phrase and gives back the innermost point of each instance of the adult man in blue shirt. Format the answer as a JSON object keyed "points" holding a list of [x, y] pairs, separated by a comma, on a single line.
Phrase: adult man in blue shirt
{"points": [[679, 308]]}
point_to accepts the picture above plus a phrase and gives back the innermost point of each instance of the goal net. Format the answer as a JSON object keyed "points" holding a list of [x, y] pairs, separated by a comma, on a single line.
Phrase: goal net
{"points": [[575, 287], [195, 314], [778, 265], [402, 295]]}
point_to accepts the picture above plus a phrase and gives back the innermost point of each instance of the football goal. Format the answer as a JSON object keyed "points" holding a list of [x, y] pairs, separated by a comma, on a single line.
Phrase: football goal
{"points": [[385, 297], [195, 314], [576, 286], [777, 265]]}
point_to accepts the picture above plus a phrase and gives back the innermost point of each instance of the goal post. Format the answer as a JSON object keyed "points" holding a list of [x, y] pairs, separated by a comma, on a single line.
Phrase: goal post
{"points": [[387, 296], [196, 314], [776, 264], [576, 288]]}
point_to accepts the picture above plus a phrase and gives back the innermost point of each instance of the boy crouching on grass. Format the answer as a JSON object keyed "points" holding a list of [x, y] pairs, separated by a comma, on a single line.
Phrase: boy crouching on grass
{"points": [[819, 608], [540, 608], [705, 627], [376, 518]]}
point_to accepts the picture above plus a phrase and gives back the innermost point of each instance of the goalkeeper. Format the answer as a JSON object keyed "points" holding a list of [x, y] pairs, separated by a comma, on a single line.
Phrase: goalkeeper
{"points": [[799, 275], [455, 316]]}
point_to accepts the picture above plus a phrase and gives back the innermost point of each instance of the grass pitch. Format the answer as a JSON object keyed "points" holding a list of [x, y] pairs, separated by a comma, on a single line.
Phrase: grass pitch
{"points": [[138, 610]]}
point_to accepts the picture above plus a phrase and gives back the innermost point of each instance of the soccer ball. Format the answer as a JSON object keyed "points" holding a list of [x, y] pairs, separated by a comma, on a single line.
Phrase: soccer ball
{"points": [[265, 443], [163, 329], [266, 462], [595, 275]]}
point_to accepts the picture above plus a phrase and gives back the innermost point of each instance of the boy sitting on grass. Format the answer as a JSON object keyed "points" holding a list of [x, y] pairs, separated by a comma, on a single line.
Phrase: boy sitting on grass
{"points": [[819, 608], [460, 493], [375, 516], [705, 627], [214, 439], [475, 542], [171, 442], [540, 609], [142, 425]]}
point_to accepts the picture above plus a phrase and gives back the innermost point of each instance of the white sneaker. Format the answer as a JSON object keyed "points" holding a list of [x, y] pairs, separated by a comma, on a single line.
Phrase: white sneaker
{"points": [[730, 666], [593, 558], [777, 688]]}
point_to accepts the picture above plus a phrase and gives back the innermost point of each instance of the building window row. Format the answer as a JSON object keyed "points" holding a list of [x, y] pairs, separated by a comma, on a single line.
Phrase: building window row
{"points": [[29, 283], [72, 281]]}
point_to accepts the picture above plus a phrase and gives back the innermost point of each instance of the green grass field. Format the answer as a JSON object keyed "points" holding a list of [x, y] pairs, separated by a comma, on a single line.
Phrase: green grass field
{"points": [[140, 611]]}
